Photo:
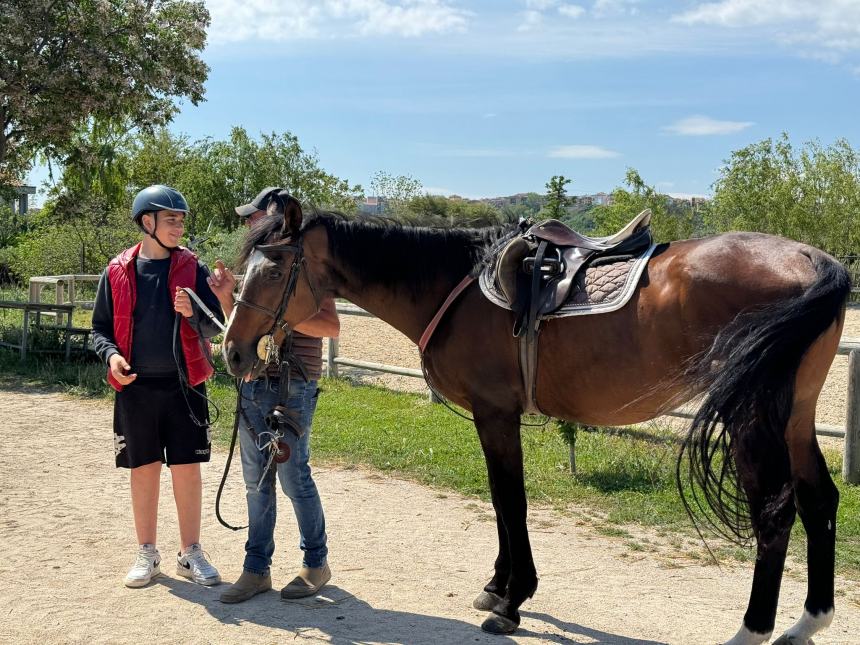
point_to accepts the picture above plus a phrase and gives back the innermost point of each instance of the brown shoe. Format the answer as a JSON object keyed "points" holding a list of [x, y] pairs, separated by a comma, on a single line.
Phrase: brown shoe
{"points": [[247, 586], [307, 583]]}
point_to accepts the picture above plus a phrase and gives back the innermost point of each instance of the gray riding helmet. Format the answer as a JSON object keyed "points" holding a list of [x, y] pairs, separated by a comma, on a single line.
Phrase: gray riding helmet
{"points": [[157, 198]]}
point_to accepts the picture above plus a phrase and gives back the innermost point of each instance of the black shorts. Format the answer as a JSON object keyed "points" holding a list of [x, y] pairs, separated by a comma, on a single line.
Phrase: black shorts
{"points": [[152, 422]]}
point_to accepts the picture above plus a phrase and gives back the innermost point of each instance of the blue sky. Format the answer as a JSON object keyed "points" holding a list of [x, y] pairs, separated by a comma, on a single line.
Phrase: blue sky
{"points": [[492, 97]]}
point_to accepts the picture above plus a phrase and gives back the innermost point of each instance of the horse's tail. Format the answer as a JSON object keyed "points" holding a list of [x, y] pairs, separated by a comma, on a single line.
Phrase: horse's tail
{"points": [[748, 375]]}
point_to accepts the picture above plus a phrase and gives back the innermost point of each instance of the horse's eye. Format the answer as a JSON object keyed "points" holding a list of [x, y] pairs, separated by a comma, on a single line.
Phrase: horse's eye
{"points": [[275, 274]]}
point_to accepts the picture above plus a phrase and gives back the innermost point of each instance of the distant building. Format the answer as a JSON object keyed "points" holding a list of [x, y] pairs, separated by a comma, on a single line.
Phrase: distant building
{"points": [[373, 205], [20, 202], [601, 199]]}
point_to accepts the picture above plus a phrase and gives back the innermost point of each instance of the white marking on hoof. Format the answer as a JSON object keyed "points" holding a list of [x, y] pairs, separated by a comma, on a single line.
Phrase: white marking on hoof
{"points": [[807, 626], [747, 637]]}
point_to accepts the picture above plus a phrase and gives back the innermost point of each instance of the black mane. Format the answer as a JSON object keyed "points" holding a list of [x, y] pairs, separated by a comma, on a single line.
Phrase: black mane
{"points": [[386, 252]]}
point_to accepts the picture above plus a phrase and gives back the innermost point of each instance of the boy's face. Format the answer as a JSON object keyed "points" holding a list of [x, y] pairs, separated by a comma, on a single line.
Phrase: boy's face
{"points": [[171, 226]]}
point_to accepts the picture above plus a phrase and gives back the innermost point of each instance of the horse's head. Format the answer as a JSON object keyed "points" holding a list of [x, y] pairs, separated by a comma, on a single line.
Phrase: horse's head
{"points": [[276, 293]]}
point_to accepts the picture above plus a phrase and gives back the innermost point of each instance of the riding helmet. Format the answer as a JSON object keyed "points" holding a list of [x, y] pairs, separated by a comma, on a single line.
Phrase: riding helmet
{"points": [[157, 198]]}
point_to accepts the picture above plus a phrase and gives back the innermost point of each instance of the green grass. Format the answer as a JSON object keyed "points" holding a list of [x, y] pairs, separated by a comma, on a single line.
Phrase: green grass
{"points": [[622, 482]]}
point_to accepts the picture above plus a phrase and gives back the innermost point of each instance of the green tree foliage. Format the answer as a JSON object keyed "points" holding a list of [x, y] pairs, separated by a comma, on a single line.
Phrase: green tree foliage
{"points": [[434, 210], [217, 175], [557, 200], [811, 195], [86, 220], [64, 63], [668, 221], [395, 192]]}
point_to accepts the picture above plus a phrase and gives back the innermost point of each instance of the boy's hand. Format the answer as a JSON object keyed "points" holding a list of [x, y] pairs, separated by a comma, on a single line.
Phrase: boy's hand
{"points": [[182, 303], [223, 283], [119, 367]]}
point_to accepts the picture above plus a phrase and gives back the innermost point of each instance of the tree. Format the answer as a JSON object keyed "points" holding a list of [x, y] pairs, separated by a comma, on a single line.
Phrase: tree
{"points": [[811, 195], [556, 197], [668, 222], [435, 210], [86, 219], [63, 64], [395, 192]]}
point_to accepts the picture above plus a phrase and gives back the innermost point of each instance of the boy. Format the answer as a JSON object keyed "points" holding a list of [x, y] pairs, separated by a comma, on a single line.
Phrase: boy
{"points": [[158, 371]]}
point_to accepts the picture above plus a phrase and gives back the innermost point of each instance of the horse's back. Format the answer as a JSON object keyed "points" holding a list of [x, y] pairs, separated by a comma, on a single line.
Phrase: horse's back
{"points": [[626, 366]]}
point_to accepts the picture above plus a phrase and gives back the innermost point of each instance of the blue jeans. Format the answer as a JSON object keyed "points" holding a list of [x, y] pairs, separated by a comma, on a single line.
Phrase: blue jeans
{"points": [[258, 398]]}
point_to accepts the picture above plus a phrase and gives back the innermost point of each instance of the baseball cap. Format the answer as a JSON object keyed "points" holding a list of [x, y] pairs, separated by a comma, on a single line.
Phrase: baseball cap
{"points": [[259, 203]]}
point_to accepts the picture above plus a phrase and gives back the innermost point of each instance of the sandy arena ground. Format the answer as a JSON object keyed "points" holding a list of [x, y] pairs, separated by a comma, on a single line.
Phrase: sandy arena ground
{"points": [[407, 560]]}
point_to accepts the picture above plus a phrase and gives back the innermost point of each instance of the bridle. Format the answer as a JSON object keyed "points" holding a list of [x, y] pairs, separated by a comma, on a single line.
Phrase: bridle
{"points": [[266, 345]]}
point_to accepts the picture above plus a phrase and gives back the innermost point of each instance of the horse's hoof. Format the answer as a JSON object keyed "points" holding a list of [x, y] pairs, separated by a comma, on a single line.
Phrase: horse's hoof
{"points": [[496, 624], [790, 640], [485, 601]]}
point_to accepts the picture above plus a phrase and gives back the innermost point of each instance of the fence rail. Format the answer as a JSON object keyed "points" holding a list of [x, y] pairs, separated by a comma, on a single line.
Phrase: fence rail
{"points": [[847, 347]]}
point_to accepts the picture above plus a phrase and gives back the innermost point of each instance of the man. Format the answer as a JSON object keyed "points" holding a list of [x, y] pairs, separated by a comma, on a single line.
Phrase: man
{"points": [[258, 398], [158, 371]]}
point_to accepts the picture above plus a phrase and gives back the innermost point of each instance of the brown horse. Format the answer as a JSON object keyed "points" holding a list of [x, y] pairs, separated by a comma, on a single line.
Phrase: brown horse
{"points": [[750, 320]]}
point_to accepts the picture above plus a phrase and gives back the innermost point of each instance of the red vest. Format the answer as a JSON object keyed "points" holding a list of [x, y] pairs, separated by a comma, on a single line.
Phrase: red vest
{"points": [[182, 273]]}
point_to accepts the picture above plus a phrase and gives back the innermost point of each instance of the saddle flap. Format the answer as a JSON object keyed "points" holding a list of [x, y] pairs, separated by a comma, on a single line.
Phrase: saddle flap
{"points": [[509, 265]]}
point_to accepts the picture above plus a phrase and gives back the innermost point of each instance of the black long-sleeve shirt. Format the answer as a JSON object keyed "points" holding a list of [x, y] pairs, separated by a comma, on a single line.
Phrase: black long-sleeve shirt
{"points": [[152, 351]]}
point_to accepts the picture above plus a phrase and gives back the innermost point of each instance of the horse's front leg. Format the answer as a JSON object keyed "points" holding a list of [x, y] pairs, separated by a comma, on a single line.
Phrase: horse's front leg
{"points": [[499, 432]]}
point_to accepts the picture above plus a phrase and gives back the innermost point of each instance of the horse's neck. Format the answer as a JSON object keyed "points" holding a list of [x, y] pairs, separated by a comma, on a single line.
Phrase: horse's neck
{"points": [[397, 308]]}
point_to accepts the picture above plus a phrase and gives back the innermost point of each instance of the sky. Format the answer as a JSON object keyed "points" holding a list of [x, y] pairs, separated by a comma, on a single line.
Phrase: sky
{"points": [[484, 98]]}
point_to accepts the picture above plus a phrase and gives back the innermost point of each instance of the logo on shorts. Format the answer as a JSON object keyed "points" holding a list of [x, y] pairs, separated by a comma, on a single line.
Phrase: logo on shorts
{"points": [[118, 444], [201, 452]]}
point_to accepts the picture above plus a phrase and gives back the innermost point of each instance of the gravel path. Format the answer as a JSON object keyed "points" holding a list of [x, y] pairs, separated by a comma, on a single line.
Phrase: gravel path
{"points": [[407, 561]]}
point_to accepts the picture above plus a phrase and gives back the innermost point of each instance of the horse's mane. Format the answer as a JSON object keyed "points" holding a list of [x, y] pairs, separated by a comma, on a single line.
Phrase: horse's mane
{"points": [[414, 256]]}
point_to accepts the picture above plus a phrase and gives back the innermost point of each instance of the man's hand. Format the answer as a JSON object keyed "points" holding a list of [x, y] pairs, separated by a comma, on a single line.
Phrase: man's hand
{"points": [[223, 284], [182, 303], [119, 367]]}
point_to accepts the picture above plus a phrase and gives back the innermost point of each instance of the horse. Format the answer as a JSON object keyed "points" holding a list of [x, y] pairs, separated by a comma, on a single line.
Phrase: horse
{"points": [[748, 322]]}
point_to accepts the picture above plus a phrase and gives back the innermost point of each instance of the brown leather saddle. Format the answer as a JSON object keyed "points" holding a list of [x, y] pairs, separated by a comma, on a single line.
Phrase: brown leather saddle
{"points": [[536, 270]]}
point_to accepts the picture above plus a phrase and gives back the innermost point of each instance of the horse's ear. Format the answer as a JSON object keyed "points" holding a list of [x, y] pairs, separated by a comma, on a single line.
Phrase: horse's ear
{"points": [[292, 214]]}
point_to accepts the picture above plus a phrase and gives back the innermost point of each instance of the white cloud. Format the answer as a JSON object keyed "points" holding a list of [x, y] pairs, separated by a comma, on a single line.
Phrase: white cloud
{"points": [[615, 7], [280, 20], [583, 152], [830, 24], [531, 20], [571, 10], [694, 126]]}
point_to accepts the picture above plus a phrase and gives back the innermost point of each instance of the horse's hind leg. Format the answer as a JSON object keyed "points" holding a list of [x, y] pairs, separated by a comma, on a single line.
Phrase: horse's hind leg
{"points": [[515, 579], [815, 495], [817, 499], [768, 491]]}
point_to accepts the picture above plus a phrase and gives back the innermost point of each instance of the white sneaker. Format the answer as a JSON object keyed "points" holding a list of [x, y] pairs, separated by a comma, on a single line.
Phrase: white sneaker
{"points": [[192, 563], [145, 567]]}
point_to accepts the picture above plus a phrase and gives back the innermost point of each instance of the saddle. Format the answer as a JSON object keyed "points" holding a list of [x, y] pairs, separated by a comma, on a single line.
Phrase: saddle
{"points": [[537, 270]]}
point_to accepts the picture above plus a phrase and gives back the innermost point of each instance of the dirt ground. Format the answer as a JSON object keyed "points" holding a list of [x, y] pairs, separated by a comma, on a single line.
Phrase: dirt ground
{"points": [[407, 560]]}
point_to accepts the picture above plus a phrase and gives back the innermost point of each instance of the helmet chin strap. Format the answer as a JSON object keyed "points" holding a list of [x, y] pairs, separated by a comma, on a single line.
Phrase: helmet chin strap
{"points": [[169, 249]]}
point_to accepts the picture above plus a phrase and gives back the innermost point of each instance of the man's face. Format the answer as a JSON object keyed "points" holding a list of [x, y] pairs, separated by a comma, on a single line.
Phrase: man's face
{"points": [[254, 217]]}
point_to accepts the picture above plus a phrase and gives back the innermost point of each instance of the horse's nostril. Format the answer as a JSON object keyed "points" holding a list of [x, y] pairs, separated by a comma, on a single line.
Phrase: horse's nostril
{"points": [[233, 357]]}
